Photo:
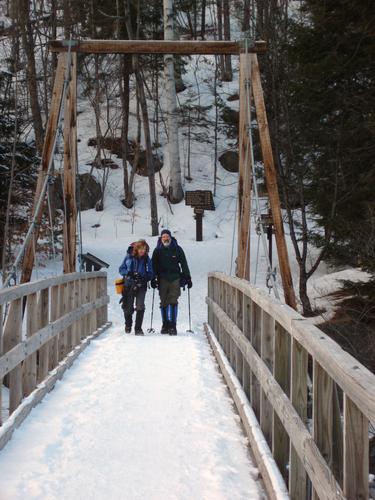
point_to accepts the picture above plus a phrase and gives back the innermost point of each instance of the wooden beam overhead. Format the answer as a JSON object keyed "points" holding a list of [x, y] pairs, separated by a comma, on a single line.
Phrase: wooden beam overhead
{"points": [[156, 46]]}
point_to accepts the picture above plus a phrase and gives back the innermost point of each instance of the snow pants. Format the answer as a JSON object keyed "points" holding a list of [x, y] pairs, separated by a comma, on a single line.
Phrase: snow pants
{"points": [[135, 294], [169, 292]]}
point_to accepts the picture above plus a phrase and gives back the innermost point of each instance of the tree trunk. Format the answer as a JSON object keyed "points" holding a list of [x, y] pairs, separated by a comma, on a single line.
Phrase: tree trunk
{"points": [[306, 305], [176, 193], [125, 92], [228, 75], [246, 16], [203, 20], [29, 48], [219, 14]]}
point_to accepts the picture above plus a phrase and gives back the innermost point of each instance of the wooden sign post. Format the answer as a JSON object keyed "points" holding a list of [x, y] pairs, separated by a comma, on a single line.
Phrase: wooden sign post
{"points": [[200, 201]]}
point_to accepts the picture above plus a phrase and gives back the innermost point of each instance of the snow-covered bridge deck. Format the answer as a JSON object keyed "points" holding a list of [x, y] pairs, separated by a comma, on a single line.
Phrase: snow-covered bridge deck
{"points": [[134, 418]]}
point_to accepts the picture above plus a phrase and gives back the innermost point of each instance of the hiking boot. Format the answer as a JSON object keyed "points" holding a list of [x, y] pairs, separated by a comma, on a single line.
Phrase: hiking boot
{"points": [[138, 322], [165, 328], [172, 329], [128, 323]]}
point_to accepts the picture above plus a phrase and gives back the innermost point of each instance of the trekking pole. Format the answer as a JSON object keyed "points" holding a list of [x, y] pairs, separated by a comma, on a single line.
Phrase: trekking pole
{"points": [[152, 330], [190, 330]]}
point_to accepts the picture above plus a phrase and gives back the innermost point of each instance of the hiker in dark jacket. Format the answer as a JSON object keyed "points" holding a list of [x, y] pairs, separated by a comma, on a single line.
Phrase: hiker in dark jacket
{"points": [[137, 272], [171, 272]]}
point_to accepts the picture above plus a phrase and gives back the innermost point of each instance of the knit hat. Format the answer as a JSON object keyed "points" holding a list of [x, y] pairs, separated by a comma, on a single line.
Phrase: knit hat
{"points": [[166, 231]]}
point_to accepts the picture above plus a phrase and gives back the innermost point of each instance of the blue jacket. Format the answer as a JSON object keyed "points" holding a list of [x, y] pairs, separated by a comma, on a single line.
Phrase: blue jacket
{"points": [[142, 266]]}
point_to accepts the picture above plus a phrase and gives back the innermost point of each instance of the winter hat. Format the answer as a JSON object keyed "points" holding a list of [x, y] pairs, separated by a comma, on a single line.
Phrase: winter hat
{"points": [[166, 231]]}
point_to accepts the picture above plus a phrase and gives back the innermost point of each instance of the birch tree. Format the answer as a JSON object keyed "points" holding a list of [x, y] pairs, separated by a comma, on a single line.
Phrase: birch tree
{"points": [[176, 193]]}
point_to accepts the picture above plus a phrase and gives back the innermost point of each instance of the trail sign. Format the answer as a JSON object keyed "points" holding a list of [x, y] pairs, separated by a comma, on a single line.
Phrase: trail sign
{"points": [[200, 201]]}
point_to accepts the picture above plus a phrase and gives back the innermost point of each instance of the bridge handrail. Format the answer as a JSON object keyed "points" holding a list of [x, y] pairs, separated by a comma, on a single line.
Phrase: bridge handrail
{"points": [[47, 321], [19, 291], [269, 346]]}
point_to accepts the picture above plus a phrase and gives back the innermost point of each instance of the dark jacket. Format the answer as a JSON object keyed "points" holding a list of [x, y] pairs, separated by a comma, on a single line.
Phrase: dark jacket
{"points": [[170, 262], [132, 265]]}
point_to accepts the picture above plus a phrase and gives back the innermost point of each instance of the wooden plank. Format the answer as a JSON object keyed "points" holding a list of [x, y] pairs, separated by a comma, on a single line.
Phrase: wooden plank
{"points": [[19, 291], [256, 328], [271, 182], [267, 353], [184, 47], [70, 169], [14, 323], [17, 354], [356, 452], [323, 414], [315, 466], [353, 378], [43, 320], [298, 397], [29, 365], [271, 476], [281, 372], [27, 405], [49, 139], [246, 328], [245, 171]]}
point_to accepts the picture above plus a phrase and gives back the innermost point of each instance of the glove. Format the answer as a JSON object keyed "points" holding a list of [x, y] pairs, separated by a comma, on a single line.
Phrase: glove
{"points": [[154, 283], [189, 282]]}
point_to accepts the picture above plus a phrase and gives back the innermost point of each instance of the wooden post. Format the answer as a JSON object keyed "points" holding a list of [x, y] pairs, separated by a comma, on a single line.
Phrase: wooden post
{"points": [[271, 182], [323, 414], [29, 365], [356, 452], [70, 169], [281, 372], [43, 320], [298, 397], [246, 328], [239, 322], [1, 352], [54, 314], [267, 340], [14, 323], [256, 326], [51, 130], [245, 167], [63, 337], [198, 216]]}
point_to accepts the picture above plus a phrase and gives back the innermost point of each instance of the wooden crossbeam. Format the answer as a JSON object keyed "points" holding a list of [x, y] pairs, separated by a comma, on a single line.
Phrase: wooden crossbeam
{"points": [[156, 46]]}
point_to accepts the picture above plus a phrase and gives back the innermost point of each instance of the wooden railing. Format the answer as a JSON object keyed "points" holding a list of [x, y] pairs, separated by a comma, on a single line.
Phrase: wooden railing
{"points": [[48, 323], [313, 400]]}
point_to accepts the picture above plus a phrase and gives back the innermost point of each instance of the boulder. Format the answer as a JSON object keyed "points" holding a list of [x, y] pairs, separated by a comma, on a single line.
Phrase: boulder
{"points": [[90, 192], [229, 161], [142, 164]]}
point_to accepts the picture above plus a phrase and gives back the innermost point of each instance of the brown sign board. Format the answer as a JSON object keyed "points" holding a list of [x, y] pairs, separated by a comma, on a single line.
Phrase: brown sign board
{"points": [[200, 199]]}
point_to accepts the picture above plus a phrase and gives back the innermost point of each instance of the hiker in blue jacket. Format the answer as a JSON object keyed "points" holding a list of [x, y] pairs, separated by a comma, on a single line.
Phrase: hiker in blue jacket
{"points": [[137, 272]]}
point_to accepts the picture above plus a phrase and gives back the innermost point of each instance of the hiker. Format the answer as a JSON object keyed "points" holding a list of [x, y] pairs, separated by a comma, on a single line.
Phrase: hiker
{"points": [[137, 272], [171, 272]]}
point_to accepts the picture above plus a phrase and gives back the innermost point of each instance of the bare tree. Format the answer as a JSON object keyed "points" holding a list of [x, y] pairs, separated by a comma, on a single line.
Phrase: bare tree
{"points": [[28, 45], [146, 123], [176, 193]]}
